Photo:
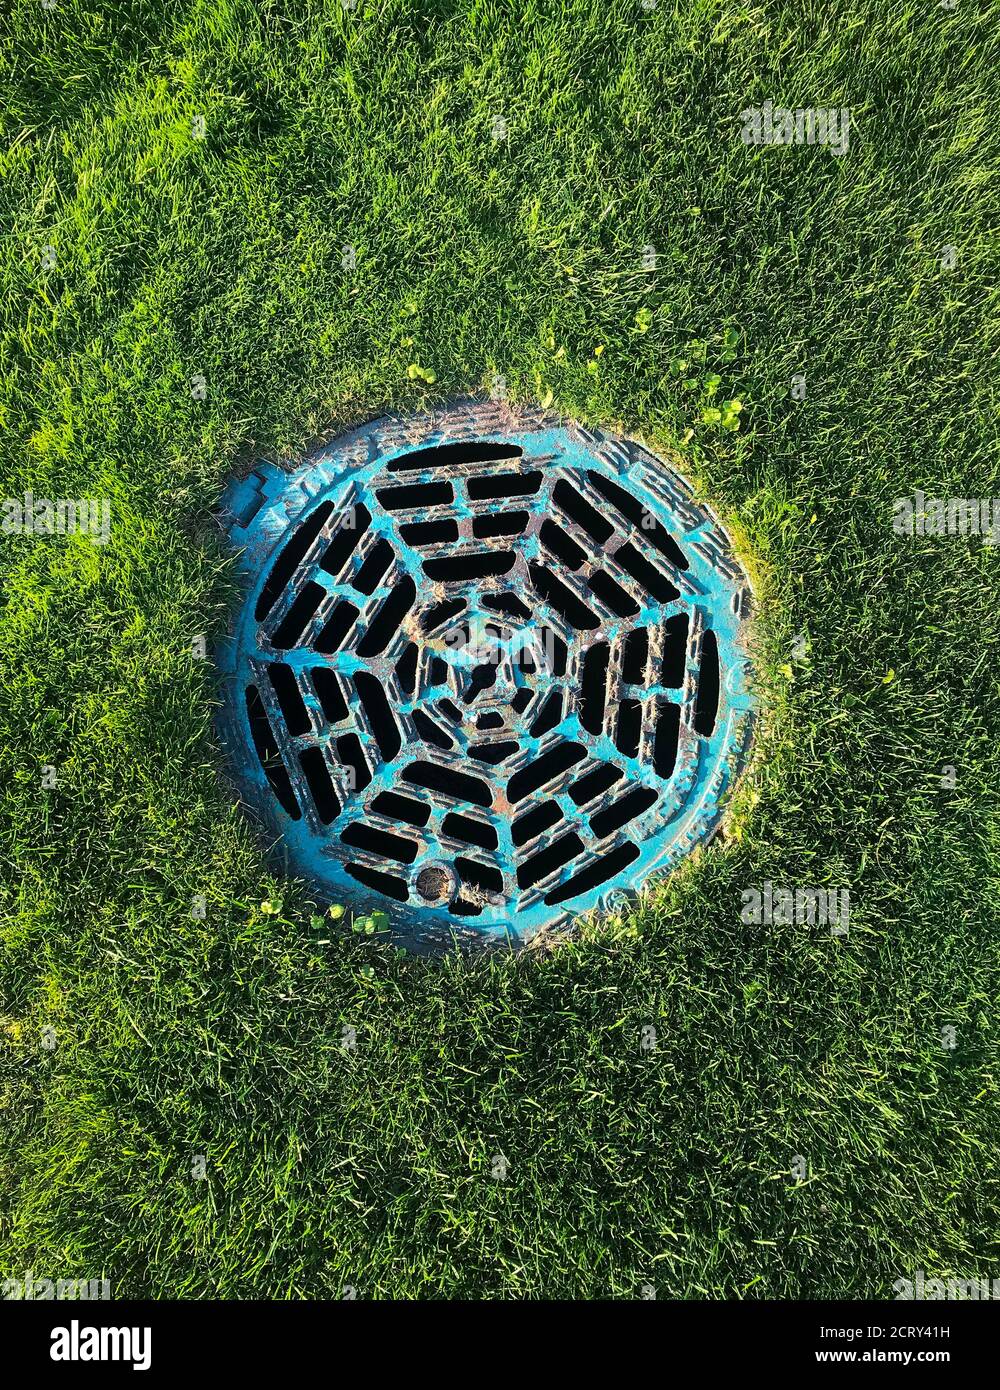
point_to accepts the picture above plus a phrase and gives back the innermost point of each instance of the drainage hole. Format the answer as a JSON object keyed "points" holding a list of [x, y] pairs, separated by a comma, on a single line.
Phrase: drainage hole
{"points": [[603, 868], [433, 883], [549, 859], [388, 884], [707, 706], [380, 842], [535, 822]]}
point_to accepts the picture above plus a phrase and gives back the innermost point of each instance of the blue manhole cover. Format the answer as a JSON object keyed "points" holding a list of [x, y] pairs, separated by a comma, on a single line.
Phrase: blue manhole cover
{"points": [[490, 670]]}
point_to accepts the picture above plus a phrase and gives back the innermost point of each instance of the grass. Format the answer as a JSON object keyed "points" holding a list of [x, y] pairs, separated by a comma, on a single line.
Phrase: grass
{"points": [[223, 256]]}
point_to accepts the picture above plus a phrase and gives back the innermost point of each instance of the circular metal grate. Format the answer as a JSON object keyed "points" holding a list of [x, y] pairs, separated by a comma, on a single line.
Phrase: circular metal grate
{"points": [[490, 670]]}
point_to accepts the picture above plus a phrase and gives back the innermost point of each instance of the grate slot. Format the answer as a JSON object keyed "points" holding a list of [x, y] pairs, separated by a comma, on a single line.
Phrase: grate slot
{"points": [[633, 510], [439, 613], [619, 813], [594, 687], [493, 753], [430, 731], [429, 532], [629, 728], [675, 644], [389, 884], [707, 706], [317, 776], [293, 624], [499, 524], [544, 769], [665, 744], [472, 564], [331, 697], [559, 544], [447, 781], [595, 783], [470, 831], [380, 842], [646, 574], [478, 875], [578, 509], [406, 668], [415, 496], [374, 568], [565, 602], [604, 867], [337, 627], [352, 756], [388, 619], [504, 485], [551, 715], [402, 808], [289, 697], [269, 754], [482, 678], [535, 822], [635, 655], [454, 456], [621, 603], [554, 856], [354, 523], [290, 558], [380, 717], [507, 603]]}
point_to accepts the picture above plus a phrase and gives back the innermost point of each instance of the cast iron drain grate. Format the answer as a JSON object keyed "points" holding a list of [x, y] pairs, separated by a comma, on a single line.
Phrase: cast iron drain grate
{"points": [[490, 670]]}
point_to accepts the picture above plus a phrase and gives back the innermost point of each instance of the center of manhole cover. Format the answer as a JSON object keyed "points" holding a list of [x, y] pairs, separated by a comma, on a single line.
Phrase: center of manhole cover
{"points": [[490, 671]]}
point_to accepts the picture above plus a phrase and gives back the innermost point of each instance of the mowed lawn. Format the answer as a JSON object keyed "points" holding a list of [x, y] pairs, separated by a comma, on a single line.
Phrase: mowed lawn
{"points": [[178, 184]]}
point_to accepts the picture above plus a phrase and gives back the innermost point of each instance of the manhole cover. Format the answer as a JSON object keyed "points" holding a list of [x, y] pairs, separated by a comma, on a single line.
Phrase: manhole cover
{"points": [[490, 671]]}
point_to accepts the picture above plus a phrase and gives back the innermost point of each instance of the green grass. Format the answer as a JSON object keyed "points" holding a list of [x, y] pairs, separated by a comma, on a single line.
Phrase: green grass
{"points": [[223, 256]]}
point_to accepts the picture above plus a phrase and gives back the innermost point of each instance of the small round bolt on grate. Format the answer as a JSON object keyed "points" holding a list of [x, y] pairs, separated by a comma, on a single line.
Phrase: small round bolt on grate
{"points": [[490, 670]]}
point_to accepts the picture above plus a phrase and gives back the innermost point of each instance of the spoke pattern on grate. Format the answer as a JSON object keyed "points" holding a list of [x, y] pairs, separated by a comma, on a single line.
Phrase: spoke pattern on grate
{"points": [[483, 674]]}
